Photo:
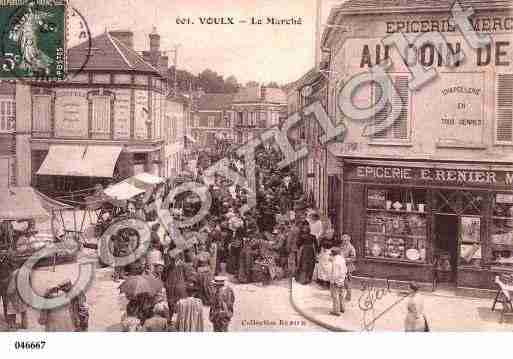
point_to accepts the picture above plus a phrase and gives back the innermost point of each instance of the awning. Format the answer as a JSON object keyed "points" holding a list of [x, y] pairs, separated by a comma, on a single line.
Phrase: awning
{"points": [[148, 178], [80, 161], [51, 204], [133, 186], [123, 191], [21, 203]]}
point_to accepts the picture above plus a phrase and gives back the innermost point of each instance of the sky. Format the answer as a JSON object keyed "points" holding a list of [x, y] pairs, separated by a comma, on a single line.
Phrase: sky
{"points": [[263, 53]]}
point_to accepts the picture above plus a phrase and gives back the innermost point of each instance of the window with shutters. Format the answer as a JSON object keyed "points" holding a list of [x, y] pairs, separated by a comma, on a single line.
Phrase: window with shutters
{"points": [[227, 119], [211, 121], [203, 121], [41, 112], [399, 130], [7, 115], [218, 121], [101, 116], [504, 124]]}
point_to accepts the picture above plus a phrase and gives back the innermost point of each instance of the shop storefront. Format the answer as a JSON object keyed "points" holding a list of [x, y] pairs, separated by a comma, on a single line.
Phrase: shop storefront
{"points": [[429, 221]]}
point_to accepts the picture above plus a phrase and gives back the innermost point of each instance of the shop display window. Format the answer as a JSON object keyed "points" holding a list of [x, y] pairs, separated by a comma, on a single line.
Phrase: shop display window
{"points": [[501, 242], [470, 240], [396, 224], [458, 202]]}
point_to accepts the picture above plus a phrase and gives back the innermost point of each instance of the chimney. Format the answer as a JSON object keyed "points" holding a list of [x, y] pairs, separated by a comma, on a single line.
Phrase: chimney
{"points": [[154, 41], [124, 36], [263, 93], [164, 63]]}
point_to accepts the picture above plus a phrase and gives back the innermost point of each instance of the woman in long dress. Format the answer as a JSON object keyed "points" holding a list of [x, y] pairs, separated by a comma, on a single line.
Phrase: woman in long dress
{"points": [[246, 263], [205, 275], [415, 320], [175, 283], [307, 251], [323, 266]]}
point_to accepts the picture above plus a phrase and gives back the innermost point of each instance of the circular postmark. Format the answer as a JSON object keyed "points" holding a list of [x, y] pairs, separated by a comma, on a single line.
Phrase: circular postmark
{"points": [[33, 43]]}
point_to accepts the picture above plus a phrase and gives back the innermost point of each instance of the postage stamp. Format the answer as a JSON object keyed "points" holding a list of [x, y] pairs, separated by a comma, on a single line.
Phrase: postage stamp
{"points": [[33, 40]]}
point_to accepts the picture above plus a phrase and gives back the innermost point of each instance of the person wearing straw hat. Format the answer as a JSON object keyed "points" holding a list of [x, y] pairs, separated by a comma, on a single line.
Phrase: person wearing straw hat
{"points": [[189, 312], [221, 309]]}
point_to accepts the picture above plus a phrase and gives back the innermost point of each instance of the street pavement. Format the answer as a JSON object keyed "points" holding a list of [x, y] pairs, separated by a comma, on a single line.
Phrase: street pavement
{"points": [[446, 312], [257, 308]]}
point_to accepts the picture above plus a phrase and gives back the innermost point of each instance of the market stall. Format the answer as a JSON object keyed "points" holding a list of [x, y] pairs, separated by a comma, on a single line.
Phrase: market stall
{"points": [[20, 209]]}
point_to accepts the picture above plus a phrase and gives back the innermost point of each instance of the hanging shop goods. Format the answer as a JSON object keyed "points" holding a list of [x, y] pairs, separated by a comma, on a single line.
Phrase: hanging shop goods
{"points": [[431, 222]]}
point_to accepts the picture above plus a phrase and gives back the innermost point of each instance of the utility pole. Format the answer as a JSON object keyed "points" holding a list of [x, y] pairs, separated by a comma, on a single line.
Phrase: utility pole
{"points": [[175, 64], [318, 25]]}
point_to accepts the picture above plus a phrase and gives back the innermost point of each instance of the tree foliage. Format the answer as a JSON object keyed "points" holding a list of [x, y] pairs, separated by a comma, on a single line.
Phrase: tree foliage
{"points": [[208, 81]]}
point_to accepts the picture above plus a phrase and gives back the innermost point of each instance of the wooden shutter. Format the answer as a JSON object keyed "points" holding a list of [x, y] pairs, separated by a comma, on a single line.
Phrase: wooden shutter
{"points": [[505, 108], [101, 115], [400, 126], [399, 130]]}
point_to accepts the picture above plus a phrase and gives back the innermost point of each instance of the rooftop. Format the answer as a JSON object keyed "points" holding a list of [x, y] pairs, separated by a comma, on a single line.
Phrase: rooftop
{"points": [[254, 94], [7, 88], [107, 53], [214, 101]]}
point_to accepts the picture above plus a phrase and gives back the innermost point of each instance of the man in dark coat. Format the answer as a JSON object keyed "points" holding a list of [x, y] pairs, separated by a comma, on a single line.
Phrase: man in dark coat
{"points": [[221, 308], [177, 276]]}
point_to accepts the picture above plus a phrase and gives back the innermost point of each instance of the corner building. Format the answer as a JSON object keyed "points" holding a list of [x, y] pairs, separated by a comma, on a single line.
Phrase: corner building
{"points": [[429, 197], [107, 122]]}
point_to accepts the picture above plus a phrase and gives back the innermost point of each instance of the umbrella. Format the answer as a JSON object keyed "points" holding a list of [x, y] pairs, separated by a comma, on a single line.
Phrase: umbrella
{"points": [[140, 284]]}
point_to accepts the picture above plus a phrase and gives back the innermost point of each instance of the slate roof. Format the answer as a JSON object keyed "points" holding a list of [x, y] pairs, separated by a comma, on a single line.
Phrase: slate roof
{"points": [[7, 88], [380, 6], [214, 101], [253, 94], [107, 53]]}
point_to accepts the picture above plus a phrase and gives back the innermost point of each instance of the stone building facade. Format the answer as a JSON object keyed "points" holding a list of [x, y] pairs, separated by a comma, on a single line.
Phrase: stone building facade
{"points": [[108, 121], [427, 195]]}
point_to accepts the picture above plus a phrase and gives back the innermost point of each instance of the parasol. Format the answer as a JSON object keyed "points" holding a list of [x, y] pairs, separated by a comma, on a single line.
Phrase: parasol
{"points": [[140, 284]]}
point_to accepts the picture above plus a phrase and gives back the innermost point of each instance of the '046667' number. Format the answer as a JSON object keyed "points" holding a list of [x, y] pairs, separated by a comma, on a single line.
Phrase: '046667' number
{"points": [[29, 345]]}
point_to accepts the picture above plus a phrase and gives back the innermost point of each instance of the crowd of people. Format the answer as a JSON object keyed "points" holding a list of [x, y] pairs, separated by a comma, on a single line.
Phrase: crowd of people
{"points": [[281, 237]]}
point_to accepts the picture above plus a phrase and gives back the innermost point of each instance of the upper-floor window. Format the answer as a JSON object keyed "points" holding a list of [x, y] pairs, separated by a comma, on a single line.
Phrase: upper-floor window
{"points": [[227, 119], [41, 110], [219, 121], [263, 119], [251, 121], [7, 115], [203, 121], [193, 121], [240, 118], [101, 115], [398, 130], [504, 125], [245, 121], [212, 121]]}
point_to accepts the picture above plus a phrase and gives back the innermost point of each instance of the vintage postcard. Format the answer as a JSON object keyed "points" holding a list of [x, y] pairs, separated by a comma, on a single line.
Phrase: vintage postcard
{"points": [[256, 166]]}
